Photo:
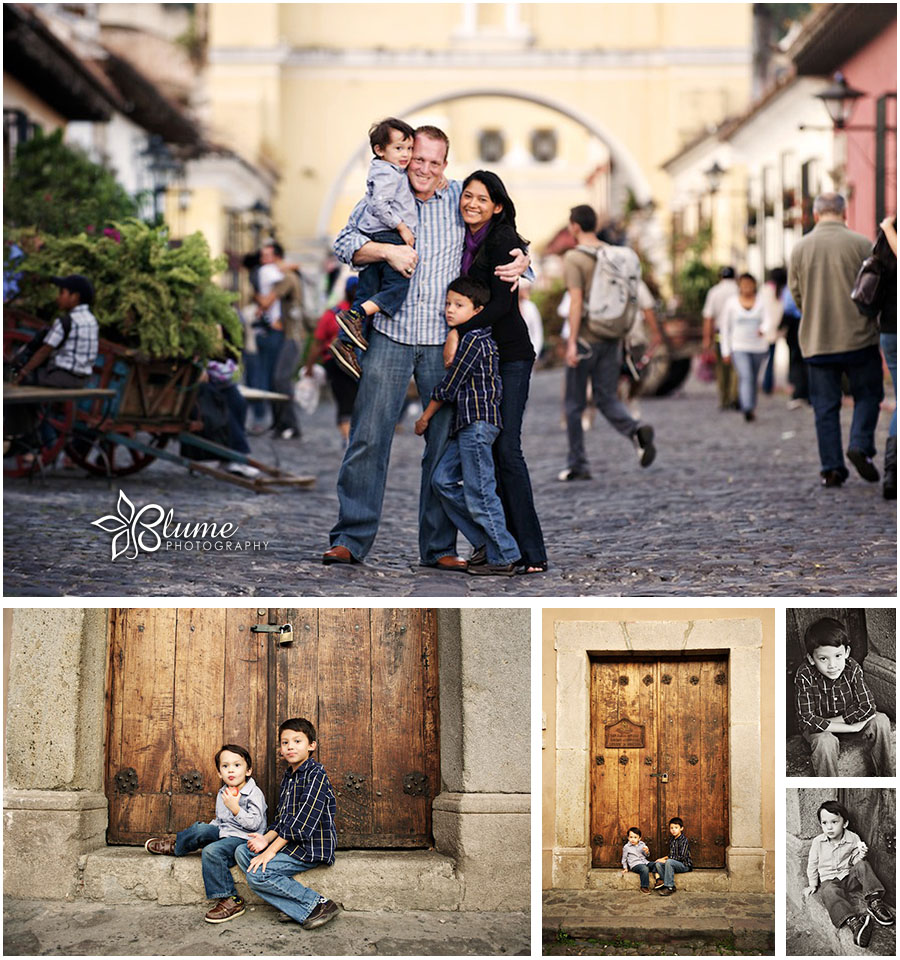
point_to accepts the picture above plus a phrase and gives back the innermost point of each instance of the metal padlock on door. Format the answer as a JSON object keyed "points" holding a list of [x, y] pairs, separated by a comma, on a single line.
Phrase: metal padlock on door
{"points": [[663, 777]]}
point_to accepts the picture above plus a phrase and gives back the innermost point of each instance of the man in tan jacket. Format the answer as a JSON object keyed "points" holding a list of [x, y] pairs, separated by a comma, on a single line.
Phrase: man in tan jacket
{"points": [[836, 339]]}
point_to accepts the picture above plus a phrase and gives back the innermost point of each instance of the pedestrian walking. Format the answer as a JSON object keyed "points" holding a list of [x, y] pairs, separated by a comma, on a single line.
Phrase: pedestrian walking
{"points": [[887, 322], [594, 352], [744, 340], [716, 298], [797, 375], [771, 297], [837, 340]]}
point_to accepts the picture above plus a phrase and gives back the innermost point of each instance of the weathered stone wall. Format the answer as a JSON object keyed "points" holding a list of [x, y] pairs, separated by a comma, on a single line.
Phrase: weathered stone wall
{"points": [[881, 664], [54, 808]]}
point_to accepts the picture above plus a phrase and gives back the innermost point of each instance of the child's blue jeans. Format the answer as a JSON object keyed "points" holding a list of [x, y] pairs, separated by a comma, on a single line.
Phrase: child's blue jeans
{"points": [[380, 283], [276, 884], [218, 857], [668, 869], [644, 870]]}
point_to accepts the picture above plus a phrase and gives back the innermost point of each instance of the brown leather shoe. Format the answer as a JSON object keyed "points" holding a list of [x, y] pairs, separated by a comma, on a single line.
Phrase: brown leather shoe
{"points": [[322, 913], [456, 564], [163, 845], [338, 555], [226, 909], [345, 357]]}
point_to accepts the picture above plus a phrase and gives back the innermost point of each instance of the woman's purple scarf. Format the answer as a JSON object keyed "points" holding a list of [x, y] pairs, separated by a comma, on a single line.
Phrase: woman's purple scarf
{"points": [[472, 243]]}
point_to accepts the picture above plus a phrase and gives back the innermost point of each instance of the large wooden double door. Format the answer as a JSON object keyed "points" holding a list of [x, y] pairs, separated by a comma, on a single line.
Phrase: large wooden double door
{"points": [[184, 681], [659, 749]]}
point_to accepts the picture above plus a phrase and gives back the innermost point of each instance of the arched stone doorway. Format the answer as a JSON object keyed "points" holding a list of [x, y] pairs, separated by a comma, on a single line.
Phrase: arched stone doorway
{"points": [[626, 173]]}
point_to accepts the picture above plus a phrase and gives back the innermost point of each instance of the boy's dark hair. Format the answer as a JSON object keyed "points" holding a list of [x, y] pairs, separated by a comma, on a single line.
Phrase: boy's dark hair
{"points": [[380, 133], [298, 725], [748, 276], [677, 820], [635, 830], [832, 806], [825, 632], [584, 216], [235, 748], [477, 292]]}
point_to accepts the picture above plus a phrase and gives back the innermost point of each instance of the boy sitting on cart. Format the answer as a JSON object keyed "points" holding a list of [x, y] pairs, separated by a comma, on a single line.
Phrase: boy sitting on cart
{"points": [[64, 355]]}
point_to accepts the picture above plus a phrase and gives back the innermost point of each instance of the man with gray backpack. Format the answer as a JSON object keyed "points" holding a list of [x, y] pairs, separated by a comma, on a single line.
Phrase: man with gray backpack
{"points": [[602, 281]]}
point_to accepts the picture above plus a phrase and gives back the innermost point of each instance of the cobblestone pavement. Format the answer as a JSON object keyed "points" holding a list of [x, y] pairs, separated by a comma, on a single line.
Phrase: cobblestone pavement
{"points": [[87, 928], [728, 509], [567, 947]]}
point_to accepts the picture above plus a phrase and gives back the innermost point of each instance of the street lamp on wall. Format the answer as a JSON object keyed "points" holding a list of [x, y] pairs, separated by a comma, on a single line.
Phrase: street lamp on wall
{"points": [[714, 177], [839, 100]]}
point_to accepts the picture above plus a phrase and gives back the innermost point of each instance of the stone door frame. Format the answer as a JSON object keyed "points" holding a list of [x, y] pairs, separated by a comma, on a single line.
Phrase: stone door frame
{"points": [[574, 642]]}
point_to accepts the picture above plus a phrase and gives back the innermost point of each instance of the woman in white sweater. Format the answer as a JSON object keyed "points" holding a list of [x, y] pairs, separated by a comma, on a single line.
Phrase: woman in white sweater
{"points": [[744, 340]]}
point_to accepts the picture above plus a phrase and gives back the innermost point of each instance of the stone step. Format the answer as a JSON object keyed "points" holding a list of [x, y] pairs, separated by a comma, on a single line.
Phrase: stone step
{"points": [[744, 920], [359, 880], [855, 760], [713, 881]]}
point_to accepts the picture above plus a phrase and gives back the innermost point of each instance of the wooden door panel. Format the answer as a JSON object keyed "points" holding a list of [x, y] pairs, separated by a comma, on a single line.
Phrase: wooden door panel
{"points": [[183, 682], [682, 706]]}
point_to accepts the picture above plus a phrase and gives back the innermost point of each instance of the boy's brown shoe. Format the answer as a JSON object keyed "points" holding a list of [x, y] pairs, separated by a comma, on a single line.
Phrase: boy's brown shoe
{"points": [[226, 909], [322, 913], [351, 323], [345, 357], [658, 883], [861, 928], [163, 845]]}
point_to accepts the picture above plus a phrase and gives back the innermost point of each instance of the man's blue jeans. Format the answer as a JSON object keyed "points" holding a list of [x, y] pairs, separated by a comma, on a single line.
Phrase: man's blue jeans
{"points": [[218, 857], [261, 371], [670, 867], [276, 884], [644, 870], [513, 480], [889, 349], [465, 481], [387, 368], [867, 389], [747, 366]]}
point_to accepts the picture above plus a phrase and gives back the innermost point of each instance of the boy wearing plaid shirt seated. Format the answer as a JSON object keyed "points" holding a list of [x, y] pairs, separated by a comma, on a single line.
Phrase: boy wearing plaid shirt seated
{"points": [[464, 478], [678, 860], [833, 699], [302, 837]]}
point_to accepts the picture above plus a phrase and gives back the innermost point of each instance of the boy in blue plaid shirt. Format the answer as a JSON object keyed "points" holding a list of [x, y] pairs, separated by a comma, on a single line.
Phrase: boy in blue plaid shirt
{"points": [[833, 699], [302, 837], [678, 860], [464, 478]]}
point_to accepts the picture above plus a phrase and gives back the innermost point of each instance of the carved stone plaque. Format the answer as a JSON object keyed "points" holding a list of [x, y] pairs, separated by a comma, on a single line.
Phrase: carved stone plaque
{"points": [[623, 734]]}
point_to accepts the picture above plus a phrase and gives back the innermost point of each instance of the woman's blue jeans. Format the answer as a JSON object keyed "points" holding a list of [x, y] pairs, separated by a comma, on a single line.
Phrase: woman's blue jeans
{"points": [[276, 884], [747, 366], [218, 857], [513, 481], [889, 349]]}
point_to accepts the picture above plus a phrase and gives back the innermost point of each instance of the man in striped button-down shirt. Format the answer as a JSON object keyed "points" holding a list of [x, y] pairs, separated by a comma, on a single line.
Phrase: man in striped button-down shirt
{"points": [[302, 837], [407, 345], [832, 698]]}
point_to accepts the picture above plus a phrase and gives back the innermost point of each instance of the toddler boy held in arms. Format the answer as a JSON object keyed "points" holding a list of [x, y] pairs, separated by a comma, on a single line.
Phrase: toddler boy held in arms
{"points": [[302, 837], [838, 870], [389, 216], [833, 699], [240, 812], [473, 384]]}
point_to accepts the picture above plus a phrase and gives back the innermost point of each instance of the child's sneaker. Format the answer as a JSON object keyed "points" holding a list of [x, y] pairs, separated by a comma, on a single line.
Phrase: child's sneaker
{"points": [[226, 909], [879, 912], [345, 356], [861, 927], [321, 914], [161, 845], [351, 322]]}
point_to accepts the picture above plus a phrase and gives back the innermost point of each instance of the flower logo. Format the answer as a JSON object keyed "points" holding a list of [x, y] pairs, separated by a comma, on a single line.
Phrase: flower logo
{"points": [[133, 530]]}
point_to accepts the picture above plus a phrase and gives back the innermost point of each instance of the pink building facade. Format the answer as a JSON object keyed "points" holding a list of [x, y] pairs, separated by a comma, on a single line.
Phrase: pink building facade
{"points": [[872, 152]]}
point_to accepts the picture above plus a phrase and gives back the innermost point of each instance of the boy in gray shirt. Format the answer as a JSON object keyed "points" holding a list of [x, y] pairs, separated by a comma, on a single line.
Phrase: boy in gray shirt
{"points": [[635, 857], [240, 811], [389, 216]]}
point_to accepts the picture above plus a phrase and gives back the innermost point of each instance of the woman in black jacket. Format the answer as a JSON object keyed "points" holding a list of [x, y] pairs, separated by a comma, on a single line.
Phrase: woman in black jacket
{"points": [[490, 218]]}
